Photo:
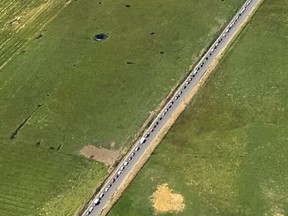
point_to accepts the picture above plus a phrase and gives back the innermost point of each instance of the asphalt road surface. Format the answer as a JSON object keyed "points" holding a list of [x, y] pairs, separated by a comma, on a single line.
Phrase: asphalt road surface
{"points": [[131, 159]]}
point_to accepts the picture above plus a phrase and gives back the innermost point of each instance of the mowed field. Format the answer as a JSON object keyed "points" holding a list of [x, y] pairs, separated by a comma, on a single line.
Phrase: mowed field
{"points": [[227, 154], [64, 91], [21, 21]]}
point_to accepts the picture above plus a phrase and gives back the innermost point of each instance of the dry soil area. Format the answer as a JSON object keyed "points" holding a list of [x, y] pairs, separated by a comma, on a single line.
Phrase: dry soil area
{"points": [[164, 200], [103, 155]]}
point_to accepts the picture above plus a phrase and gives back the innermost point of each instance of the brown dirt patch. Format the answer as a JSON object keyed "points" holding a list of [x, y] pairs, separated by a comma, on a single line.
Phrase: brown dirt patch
{"points": [[164, 200], [103, 155]]}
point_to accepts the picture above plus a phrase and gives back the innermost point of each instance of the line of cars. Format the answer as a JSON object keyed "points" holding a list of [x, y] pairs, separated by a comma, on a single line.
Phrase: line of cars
{"points": [[168, 107]]}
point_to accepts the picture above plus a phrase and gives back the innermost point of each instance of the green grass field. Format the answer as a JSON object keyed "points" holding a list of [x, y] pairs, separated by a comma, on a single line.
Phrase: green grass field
{"points": [[64, 91], [227, 154], [21, 21]]}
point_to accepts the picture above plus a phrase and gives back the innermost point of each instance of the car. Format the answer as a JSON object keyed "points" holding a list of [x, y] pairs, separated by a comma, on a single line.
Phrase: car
{"points": [[90, 210], [113, 180], [184, 87], [96, 201], [187, 82], [118, 173], [122, 168], [147, 135], [142, 140], [101, 195], [132, 154], [190, 79], [137, 149], [180, 92], [224, 35], [198, 68], [106, 189], [227, 30], [155, 126], [152, 130], [130, 158], [160, 118], [212, 50], [125, 163], [216, 44], [206, 58]]}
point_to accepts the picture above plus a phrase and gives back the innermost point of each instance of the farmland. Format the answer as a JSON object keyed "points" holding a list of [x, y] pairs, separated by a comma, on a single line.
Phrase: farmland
{"points": [[20, 21], [227, 153], [62, 90]]}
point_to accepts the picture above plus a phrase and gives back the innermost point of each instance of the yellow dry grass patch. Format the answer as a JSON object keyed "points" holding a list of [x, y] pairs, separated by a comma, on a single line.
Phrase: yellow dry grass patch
{"points": [[164, 200]]}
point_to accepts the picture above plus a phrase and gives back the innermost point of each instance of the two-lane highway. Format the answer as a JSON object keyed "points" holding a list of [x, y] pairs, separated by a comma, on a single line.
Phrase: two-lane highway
{"points": [[130, 160]]}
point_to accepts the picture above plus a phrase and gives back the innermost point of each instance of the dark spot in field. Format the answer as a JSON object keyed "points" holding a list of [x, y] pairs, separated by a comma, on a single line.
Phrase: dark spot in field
{"points": [[13, 21], [178, 57], [161, 52], [52, 148], [195, 156], [129, 62], [39, 105], [59, 147], [38, 143], [13, 135], [22, 52], [127, 6], [152, 33], [100, 37], [74, 65], [47, 95], [38, 36], [99, 3]]}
